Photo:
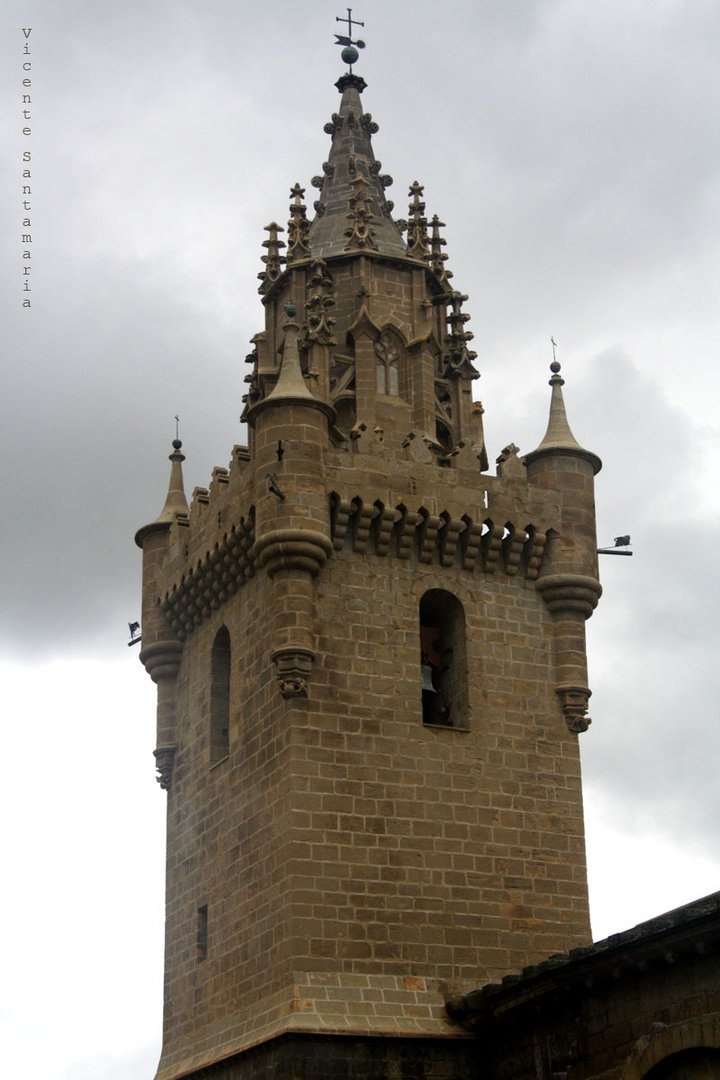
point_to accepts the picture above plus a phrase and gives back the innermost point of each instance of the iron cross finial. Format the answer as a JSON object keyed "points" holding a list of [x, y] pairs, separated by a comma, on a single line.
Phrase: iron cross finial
{"points": [[554, 346], [350, 48], [177, 426], [350, 23]]}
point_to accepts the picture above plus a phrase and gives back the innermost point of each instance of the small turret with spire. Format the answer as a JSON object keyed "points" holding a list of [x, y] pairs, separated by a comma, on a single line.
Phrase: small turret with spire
{"points": [[568, 581], [161, 650]]}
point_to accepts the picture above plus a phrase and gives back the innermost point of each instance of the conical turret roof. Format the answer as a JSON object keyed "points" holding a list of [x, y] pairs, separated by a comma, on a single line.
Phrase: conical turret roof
{"points": [[352, 215], [558, 438], [175, 501]]}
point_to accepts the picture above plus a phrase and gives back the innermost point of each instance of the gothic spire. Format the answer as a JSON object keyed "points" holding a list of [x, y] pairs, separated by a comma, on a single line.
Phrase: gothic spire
{"points": [[351, 155]]}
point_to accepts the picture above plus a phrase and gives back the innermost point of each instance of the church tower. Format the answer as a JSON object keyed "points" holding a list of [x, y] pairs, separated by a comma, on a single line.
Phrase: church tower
{"points": [[370, 661]]}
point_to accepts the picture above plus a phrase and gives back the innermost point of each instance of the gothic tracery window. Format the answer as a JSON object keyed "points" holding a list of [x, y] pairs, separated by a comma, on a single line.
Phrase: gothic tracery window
{"points": [[387, 364]]}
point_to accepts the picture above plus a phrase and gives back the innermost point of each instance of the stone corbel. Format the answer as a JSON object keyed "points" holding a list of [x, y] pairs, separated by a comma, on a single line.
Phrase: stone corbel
{"points": [[292, 549], [292, 669], [570, 593], [164, 761], [571, 598], [574, 701]]}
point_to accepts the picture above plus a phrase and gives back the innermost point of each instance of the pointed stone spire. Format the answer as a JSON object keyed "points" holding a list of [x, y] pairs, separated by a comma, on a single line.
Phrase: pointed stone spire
{"points": [[175, 501], [351, 154], [558, 438], [291, 384]]}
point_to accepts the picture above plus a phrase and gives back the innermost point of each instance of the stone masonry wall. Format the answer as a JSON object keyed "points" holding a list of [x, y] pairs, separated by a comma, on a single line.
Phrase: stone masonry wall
{"points": [[354, 863]]}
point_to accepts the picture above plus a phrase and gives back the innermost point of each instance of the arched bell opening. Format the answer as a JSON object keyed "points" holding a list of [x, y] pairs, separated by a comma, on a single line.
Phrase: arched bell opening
{"points": [[443, 660]]}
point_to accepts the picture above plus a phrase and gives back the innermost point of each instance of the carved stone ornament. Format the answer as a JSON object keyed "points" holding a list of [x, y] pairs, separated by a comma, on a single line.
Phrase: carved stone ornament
{"points": [[360, 232], [417, 235], [574, 701], [298, 226], [273, 260], [164, 760], [293, 668], [333, 125], [438, 258], [320, 304], [368, 124], [459, 359]]}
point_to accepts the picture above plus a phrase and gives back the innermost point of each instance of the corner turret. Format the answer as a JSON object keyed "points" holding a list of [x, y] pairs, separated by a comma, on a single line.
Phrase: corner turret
{"points": [[162, 651], [568, 581]]}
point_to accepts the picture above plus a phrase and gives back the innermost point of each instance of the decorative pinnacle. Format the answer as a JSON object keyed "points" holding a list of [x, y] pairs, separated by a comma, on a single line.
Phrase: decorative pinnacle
{"points": [[298, 226], [438, 258], [350, 53], [417, 235], [273, 260]]}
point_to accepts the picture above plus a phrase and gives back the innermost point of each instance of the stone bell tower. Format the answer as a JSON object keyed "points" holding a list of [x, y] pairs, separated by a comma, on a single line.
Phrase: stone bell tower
{"points": [[371, 672]]}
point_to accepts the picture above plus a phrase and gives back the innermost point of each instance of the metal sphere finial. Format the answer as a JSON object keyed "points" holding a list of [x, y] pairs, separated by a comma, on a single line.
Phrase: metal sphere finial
{"points": [[555, 367], [349, 54]]}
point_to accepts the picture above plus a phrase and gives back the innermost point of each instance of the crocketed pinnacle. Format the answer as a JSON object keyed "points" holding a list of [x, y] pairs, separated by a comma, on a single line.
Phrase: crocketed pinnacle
{"points": [[351, 155], [175, 501], [558, 437]]}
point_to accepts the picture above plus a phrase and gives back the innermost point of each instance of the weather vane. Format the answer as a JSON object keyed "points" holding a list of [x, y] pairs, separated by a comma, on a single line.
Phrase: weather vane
{"points": [[350, 52], [177, 426], [553, 342]]}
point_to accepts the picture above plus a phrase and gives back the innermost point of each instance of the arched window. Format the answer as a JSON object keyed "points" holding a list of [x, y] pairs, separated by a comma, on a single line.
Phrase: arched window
{"points": [[387, 364], [443, 660], [220, 697]]}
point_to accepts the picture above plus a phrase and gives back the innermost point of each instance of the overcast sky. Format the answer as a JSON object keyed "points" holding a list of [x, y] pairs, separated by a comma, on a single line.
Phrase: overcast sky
{"points": [[571, 148]]}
